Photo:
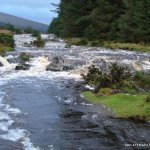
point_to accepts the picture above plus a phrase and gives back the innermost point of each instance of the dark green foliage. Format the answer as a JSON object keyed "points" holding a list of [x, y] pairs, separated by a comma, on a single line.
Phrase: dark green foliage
{"points": [[119, 73], [142, 80], [148, 98], [39, 42], [82, 42], [35, 33], [7, 39], [116, 20], [118, 78]]}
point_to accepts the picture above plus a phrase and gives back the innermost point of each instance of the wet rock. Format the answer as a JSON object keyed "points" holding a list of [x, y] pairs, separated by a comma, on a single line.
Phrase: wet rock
{"points": [[24, 57], [55, 65], [22, 66], [1, 65], [138, 118], [58, 64], [13, 60]]}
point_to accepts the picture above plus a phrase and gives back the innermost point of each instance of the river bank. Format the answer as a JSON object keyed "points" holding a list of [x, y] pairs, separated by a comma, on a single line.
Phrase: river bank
{"points": [[6, 41], [126, 106], [136, 47]]}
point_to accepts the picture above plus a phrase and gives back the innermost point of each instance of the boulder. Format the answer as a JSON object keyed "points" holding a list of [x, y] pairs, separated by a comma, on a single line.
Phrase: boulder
{"points": [[22, 66], [1, 65], [57, 64]]}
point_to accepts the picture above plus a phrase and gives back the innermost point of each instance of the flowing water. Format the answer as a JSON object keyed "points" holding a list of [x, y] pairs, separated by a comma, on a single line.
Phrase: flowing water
{"points": [[42, 110]]}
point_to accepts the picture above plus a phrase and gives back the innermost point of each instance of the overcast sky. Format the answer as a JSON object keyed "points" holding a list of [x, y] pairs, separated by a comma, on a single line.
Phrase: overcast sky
{"points": [[36, 10]]}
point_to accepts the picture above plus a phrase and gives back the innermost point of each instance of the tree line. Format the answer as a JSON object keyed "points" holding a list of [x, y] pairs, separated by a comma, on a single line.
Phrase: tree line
{"points": [[112, 20]]}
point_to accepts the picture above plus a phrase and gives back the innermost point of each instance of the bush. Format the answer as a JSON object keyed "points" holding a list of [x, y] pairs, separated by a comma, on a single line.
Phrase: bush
{"points": [[119, 73], [24, 57], [105, 92], [94, 43], [148, 98], [7, 39], [39, 42], [82, 42], [142, 80], [92, 76], [35, 33], [101, 79]]}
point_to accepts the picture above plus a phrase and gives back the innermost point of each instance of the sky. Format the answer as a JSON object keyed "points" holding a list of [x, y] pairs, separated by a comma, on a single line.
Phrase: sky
{"points": [[36, 10]]}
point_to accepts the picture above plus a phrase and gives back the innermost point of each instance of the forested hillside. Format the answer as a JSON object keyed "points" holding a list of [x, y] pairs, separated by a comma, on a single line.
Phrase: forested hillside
{"points": [[112, 20]]}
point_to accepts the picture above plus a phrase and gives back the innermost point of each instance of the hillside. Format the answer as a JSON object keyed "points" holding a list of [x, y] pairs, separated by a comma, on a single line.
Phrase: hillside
{"points": [[22, 23]]}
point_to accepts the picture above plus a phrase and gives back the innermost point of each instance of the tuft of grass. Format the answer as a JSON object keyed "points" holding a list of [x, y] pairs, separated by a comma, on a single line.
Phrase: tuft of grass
{"points": [[124, 106]]}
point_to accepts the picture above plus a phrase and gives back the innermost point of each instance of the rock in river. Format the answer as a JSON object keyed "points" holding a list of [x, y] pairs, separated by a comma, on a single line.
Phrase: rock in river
{"points": [[58, 64], [22, 66], [1, 65]]}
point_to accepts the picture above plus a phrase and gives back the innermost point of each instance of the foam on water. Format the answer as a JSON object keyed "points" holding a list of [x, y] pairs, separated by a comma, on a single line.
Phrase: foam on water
{"points": [[16, 134], [4, 116], [5, 125], [12, 110], [6, 65], [39, 64]]}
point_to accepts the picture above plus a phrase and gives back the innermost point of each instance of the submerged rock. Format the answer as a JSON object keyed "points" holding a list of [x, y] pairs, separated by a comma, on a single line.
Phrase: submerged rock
{"points": [[22, 66]]}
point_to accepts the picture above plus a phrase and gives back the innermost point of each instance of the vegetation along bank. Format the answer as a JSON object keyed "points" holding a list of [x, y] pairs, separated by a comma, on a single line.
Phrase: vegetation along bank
{"points": [[123, 91]]}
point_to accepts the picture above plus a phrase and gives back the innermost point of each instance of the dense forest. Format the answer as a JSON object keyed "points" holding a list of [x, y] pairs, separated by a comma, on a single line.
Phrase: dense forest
{"points": [[112, 20]]}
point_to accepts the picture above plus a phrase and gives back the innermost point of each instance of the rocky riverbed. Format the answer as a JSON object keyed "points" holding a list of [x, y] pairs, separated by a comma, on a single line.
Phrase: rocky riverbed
{"points": [[41, 107]]}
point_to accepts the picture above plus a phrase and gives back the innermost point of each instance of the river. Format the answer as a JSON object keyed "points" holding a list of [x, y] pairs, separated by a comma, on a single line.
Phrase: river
{"points": [[43, 110]]}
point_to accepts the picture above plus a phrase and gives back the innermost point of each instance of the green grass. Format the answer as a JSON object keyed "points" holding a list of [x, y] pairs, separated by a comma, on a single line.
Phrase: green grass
{"points": [[138, 47], [6, 41], [123, 105], [4, 49]]}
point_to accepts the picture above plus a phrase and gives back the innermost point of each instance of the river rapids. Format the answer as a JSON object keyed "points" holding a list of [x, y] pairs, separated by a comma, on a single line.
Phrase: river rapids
{"points": [[43, 110]]}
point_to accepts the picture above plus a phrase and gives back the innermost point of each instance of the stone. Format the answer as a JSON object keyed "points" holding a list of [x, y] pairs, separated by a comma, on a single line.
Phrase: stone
{"points": [[22, 66], [1, 65]]}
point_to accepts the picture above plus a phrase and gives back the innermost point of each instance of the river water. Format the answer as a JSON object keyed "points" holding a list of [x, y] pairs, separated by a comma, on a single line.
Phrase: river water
{"points": [[42, 110]]}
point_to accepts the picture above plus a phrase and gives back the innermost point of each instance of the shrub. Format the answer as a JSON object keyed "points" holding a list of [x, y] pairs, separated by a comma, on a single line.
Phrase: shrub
{"points": [[39, 42], [82, 42], [142, 80], [112, 78], [105, 92], [119, 73], [92, 76], [148, 98], [35, 33], [94, 43], [7, 39]]}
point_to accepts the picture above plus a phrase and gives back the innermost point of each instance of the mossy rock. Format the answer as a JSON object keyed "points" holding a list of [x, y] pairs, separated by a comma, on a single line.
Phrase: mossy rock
{"points": [[24, 57]]}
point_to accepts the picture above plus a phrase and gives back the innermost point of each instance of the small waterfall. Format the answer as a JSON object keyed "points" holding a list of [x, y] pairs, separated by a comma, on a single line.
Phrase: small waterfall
{"points": [[39, 64], [4, 62], [6, 65]]}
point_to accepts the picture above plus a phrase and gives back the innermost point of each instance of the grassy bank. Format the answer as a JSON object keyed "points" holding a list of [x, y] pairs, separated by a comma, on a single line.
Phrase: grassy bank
{"points": [[4, 48], [139, 47], [124, 106], [6, 41]]}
